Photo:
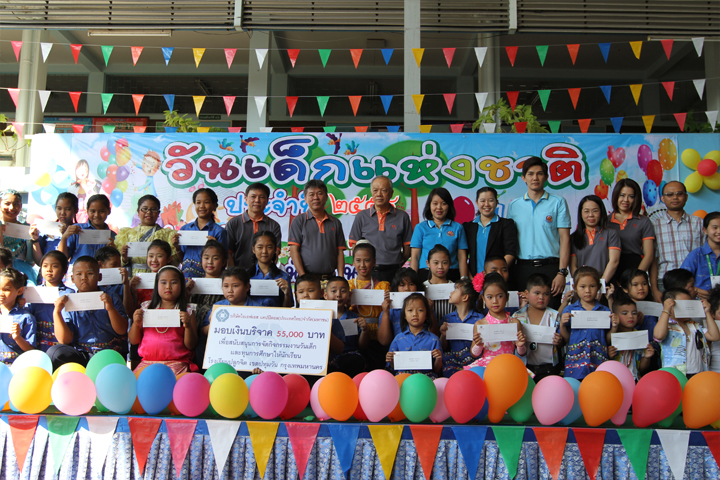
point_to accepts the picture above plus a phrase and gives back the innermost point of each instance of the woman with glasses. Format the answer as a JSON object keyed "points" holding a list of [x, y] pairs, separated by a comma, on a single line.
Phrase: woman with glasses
{"points": [[148, 211]]}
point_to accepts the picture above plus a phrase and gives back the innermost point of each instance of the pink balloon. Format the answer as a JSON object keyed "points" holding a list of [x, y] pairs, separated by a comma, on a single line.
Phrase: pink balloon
{"points": [[315, 403], [73, 393], [552, 399], [268, 395], [191, 394], [644, 156], [378, 394], [622, 373], [440, 413]]}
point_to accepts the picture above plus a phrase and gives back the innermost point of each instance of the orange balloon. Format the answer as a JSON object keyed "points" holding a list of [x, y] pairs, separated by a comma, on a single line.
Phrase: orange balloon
{"points": [[700, 213], [137, 408], [506, 380], [701, 397], [601, 396], [397, 415], [338, 396]]}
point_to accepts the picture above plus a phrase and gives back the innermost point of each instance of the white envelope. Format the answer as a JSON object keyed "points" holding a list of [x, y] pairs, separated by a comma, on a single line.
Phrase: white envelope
{"points": [[637, 340], [147, 280], [320, 305], [264, 288], [689, 309], [714, 280], [360, 296], [460, 331], [138, 249], [16, 230], [499, 332], [603, 288], [110, 276], [440, 291], [161, 318], [538, 334], [349, 326], [412, 360], [93, 237], [46, 227], [41, 294], [189, 238], [590, 319], [653, 309], [207, 286], [397, 298], [78, 302], [513, 300], [6, 323]]}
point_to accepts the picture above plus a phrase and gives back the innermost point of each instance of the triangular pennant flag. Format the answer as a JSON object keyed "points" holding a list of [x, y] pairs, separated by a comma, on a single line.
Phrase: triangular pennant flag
{"points": [[75, 97], [14, 94], [16, 46], [449, 101], [418, 100], [669, 88], [544, 96], [680, 118], [355, 103], [386, 439], [509, 442], [361, 129], [713, 442], [607, 90], [386, 99], [698, 42], [489, 127], [675, 445], [636, 48], [667, 46], [636, 89], [520, 127], [297, 129], [480, 53], [456, 127], [648, 121], [230, 55], [107, 51], [75, 48], [605, 50], [61, 430], [590, 442], [197, 55], [699, 86], [262, 437], [324, 55], [449, 54], [616, 123], [542, 53], [511, 53], [573, 51], [180, 435], [261, 53], [712, 116], [167, 53], [50, 127], [260, 104], [637, 446], [266, 129], [584, 124], [512, 99], [22, 430], [427, 439], [18, 126], [291, 102], [387, 54], [229, 101], [470, 440], [302, 438], [78, 128], [100, 429], [554, 125], [393, 128], [356, 53], [108, 128], [330, 129], [234, 129], [45, 49], [135, 51], [552, 445], [322, 103], [137, 100], [170, 100], [344, 438], [106, 98], [198, 100], [418, 54], [222, 436], [143, 431], [137, 129], [574, 95], [425, 128], [481, 98], [293, 54]]}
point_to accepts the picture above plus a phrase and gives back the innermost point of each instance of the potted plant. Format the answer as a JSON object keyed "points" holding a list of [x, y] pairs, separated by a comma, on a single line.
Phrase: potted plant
{"points": [[179, 123], [501, 110]]}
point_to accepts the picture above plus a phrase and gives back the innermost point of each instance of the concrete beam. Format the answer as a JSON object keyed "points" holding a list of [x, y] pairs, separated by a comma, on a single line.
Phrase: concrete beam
{"points": [[86, 59]]}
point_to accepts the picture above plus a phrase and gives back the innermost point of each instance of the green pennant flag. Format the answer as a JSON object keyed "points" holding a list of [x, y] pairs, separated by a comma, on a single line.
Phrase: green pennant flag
{"points": [[107, 50], [329, 129], [324, 55], [108, 128], [637, 447], [61, 430], [554, 125], [544, 95], [322, 103], [542, 53], [509, 442], [106, 97]]}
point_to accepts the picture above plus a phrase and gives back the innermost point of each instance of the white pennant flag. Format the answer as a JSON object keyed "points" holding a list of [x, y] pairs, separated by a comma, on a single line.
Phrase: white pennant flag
{"points": [[101, 431], [44, 95], [49, 127], [481, 99], [45, 48], [222, 437], [261, 54], [480, 52], [712, 118], [675, 446], [260, 104], [700, 86], [698, 42], [489, 127], [266, 129]]}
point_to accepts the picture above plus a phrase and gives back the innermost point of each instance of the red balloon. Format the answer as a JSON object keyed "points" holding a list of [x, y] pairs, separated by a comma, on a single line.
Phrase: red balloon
{"points": [[359, 414], [656, 397], [464, 209], [655, 172], [601, 190], [108, 185], [111, 173], [298, 396], [464, 395], [104, 153], [707, 167]]}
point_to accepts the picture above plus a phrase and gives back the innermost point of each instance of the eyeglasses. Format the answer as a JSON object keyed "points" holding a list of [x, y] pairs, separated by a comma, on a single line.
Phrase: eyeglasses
{"points": [[674, 194], [699, 340], [149, 210]]}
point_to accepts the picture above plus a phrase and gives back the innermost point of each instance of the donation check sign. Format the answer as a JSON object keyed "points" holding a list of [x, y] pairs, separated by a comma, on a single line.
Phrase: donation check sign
{"points": [[282, 340]]}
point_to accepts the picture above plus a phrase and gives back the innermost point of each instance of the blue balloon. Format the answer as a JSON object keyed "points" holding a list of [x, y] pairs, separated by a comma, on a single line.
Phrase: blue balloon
{"points": [[660, 189], [5, 377], [576, 411], [116, 388], [116, 197], [155, 388], [484, 410], [650, 193], [111, 146], [249, 412]]}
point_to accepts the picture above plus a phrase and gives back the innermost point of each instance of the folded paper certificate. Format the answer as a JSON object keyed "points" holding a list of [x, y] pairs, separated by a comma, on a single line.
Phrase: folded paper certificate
{"points": [[207, 286], [264, 288], [538, 334], [460, 331], [189, 238], [161, 318], [689, 309], [360, 296], [397, 298], [16, 230], [590, 319], [6, 323], [653, 309], [349, 326], [440, 291], [499, 332], [110, 276], [637, 340], [412, 360], [51, 229], [78, 302], [147, 280], [93, 237], [138, 249], [41, 294], [513, 300], [320, 305]]}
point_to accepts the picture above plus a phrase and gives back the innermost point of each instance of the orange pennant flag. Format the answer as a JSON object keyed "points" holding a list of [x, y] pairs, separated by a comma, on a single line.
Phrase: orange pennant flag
{"points": [[449, 101], [636, 89], [356, 53], [386, 439], [361, 129], [137, 100], [418, 100], [135, 51], [297, 129], [197, 55], [574, 95], [262, 438], [143, 432], [427, 439], [648, 120], [293, 54], [78, 128], [590, 442], [22, 430], [552, 445], [636, 48], [291, 102], [573, 51], [511, 53], [584, 124], [137, 129], [418, 54], [512, 99], [198, 100], [449, 54], [425, 128], [355, 103]]}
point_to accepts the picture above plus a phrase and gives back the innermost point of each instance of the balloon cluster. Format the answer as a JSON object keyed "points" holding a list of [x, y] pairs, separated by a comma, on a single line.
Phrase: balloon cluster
{"points": [[706, 170], [114, 169], [45, 188]]}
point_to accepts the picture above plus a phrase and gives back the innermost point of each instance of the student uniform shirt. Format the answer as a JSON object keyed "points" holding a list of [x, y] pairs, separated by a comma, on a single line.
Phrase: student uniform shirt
{"points": [[697, 263], [407, 341], [76, 250], [240, 231], [249, 302], [92, 330], [319, 241], [45, 326], [388, 233], [394, 318], [596, 253], [473, 316], [9, 349], [276, 301], [191, 265]]}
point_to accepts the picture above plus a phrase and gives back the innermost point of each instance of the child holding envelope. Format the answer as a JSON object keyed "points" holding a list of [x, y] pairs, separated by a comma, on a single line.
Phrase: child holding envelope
{"points": [[21, 337], [625, 319]]}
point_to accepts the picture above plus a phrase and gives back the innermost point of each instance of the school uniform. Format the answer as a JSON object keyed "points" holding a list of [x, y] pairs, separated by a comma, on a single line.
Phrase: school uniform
{"points": [[45, 325], [319, 241], [191, 265], [351, 362], [9, 349], [267, 301], [459, 353], [407, 341], [703, 263], [587, 347], [76, 250], [394, 318]]}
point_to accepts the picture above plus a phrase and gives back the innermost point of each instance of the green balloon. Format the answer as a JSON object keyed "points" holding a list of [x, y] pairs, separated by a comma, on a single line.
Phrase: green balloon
{"points": [[112, 160], [607, 171], [523, 409], [418, 397], [667, 422], [99, 361], [102, 169]]}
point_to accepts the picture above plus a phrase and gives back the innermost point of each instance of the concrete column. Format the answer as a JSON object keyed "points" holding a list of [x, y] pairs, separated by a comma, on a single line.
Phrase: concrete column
{"points": [[412, 72], [258, 81], [279, 89], [32, 77], [96, 85], [489, 74], [466, 108], [711, 52]]}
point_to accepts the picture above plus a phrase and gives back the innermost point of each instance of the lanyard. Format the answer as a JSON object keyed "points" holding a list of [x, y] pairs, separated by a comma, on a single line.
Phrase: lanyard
{"points": [[717, 270]]}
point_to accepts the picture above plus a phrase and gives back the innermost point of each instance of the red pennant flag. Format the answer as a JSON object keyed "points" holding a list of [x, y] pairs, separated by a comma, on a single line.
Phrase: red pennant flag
{"points": [[75, 97], [520, 127], [449, 54], [449, 101], [584, 124], [230, 55], [512, 98], [574, 95], [297, 129], [356, 54], [427, 439], [552, 444], [667, 46], [180, 434], [14, 93], [22, 429], [229, 101], [234, 129], [135, 51], [143, 432], [511, 53], [16, 48], [573, 51], [355, 102], [713, 443], [590, 443], [669, 88], [293, 54], [680, 117], [78, 128], [302, 438], [361, 129], [75, 52], [137, 100], [291, 102], [456, 127], [137, 129]]}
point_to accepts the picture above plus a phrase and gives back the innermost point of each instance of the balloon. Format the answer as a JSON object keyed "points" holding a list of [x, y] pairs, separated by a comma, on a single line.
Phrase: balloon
{"points": [[44, 180], [690, 158], [523, 408], [607, 171], [122, 186], [219, 369], [440, 412], [616, 156], [5, 377], [601, 396], [101, 360], [657, 395], [32, 358], [601, 190], [110, 145], [123, 156], [644, 156], [61, 178], [108, 185], [104, 153], [359, 414], [707, 167], [68, 367], [506, 380], [111, 171], [155, 388], [298, 396], [315, 403], [464, 395], [269, 395], [122, 173], [576, 411], [29, 389], [667, 154], [650, 192], [668, 421], [112, 160], [701, 397], [116, 197], [655, 172], [137, 408], [338, 396], [102, 170], [621, 175], [173, 409], [397, 414], [378, 394], [116, 387], [191, 394], [418, 397], [623, 374], [484, 410], [464, 209], [552, 399], [249, 412], [74, 393], [693, 182], [713, 181], [229, 395]]}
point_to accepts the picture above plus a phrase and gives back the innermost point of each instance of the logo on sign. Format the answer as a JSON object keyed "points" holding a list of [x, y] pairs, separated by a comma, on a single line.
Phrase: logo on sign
{"points": [[222, 315]]}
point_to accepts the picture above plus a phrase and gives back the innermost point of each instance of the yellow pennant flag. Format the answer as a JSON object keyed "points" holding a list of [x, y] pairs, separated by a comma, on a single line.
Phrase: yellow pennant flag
{"points": [[648, 121], [636, 89], [386, 439], [262, 438], [636, 48], [198, 100], [203, 129], [425, 128], [418, 53], [198, 54], [418, 99]]}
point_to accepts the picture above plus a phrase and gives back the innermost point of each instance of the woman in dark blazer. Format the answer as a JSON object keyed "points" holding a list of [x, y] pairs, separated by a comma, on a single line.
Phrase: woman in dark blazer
{"points": [[489, 234]]}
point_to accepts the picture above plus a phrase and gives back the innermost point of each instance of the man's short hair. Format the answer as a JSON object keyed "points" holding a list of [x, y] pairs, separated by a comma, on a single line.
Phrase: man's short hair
{"points": [[315, 183], [533, 162], [258, 186]]}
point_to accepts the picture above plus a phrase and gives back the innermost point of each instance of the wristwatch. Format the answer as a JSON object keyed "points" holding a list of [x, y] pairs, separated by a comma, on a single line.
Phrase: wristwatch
{"points": [[563, 272]]}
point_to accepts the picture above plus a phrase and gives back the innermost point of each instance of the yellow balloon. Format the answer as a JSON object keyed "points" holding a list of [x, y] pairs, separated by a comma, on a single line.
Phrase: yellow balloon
{"points": [[29, 390], [68, 367], [122, 185], [713, 155], [123, 156], [693, 182], [229, 395], [691, 158], [713, 181], [44, 180], [622, 174]]}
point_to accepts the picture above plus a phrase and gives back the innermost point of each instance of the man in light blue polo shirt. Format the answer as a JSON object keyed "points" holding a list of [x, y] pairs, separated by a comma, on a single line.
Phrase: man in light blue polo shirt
{"points": [[543, 224]]}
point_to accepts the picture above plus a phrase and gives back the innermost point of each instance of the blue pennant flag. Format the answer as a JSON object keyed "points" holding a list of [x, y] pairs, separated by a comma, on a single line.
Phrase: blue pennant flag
{"points": [[386, 99], [606, 89], [393, 128], [167, 53], [170, 100], [617, 121], [471, 441], [605, 49], [387, 53], [344, 439]]}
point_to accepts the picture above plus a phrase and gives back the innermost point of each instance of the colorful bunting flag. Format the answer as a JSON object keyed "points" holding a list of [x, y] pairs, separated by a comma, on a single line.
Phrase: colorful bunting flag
{"points": [[50, 127], [170, 100], [386, 439], [230, 55], [394, 129], [675, 445], [698, 42], [16, 46], [648, 121], [616, 123], [636, 48], [302, 438], [44, 96], [713, 442], [106, 98], [605, 50], [542, 53], [197, 55], [14, 94], [584, 124], [137, 100], [330, 129], [355, 103], [574, 95], [456, 127], [135, 51], [425, 128], [418, 54], [554, 125], [636, 89], [356, 53], [45, 49], [489, 127], [293, 55], [427, 439], [481, 98], [361, 129], [110, 129], [22, 431], [291, 102], [387, 54], [100, 429], [480, 53], [449, 101], [712, 116], [669, 89], [324, 55], [667, 46], [297, 129], [573, 51], [61, 430], [229, 102], [260, 104], [261, 53], [78, 128], [266, 129], [137, 129], [262, 437], [167, 54], [637, 445], [470, 440], [520, 127], [222, 436], [75, 97], [590, 442], [552, 445], [18, 127], [449, 54], [607, 90], [386, 99], [345, 438], [511, 53], [680, 119], [75, 48], [544, 96], [699, 86], [180, 435], [509, 442], [234, 129], [322, 103], [512, 99], [418, 100]]}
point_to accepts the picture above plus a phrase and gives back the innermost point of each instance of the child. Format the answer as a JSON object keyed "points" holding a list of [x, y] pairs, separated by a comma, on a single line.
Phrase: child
{"points": [[214, 260], [66, 209], [636, 285], [11, 206], [714, 300], [109, 257], [682, 279], [351, 362], [81, 334], [22, 336], [414, 336], [53, 267], [98, 209], [498, 264], [625, 319], [235, 287], [205, 201], [682, 342], [703, 261], [159, 254], [438, 263], [264, 249], [405, 280], [586, 347], [364, 262], [308, 287], [495, 295], [457, 352], [542, 358], [172, 346], [5, 258]]}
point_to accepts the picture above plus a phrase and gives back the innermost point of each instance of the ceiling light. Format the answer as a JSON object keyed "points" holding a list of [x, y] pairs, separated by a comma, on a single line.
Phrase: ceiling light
{"points": [[129, 33]]}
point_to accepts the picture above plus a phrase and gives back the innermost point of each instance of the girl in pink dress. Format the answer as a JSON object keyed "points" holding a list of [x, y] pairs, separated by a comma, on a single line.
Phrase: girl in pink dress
{"points": [[173, 346], [494, 295]]}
